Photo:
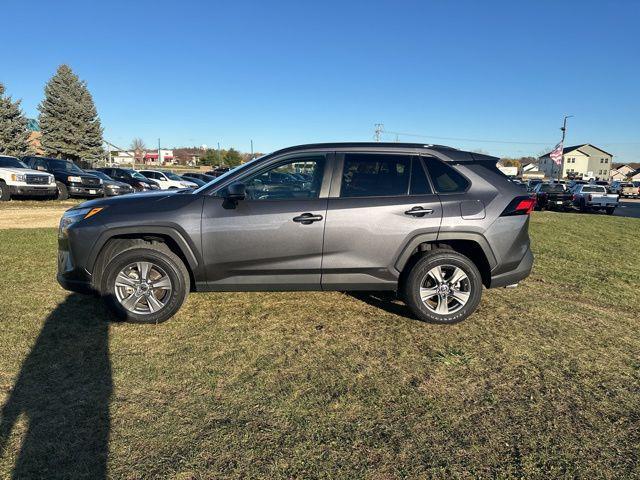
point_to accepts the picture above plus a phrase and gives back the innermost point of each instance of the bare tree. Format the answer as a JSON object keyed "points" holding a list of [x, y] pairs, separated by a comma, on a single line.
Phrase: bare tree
{"points": [[138, 147]]}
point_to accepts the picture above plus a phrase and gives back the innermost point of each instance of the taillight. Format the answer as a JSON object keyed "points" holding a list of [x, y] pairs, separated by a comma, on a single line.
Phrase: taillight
{"points": [[519, 206], [575, 197]]}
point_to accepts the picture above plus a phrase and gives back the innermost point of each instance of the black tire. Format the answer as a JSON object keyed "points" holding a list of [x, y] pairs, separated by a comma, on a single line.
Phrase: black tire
{"points": [[418, 273], [610, 210], [158, 254], [583, 207], [5, 192], [63, 191]]}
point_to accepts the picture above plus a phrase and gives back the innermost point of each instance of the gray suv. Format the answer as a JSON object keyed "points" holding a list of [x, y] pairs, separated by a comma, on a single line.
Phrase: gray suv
{"points": [[430, 223]]}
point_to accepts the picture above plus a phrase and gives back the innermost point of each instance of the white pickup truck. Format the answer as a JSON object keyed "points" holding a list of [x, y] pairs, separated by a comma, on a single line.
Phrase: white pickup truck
{"points": [[594, 197], [16, 179]]}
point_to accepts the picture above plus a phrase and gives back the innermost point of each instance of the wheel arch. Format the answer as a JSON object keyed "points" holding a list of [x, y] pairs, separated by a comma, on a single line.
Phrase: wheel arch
{"points": [[113, 241], [471, 245]]}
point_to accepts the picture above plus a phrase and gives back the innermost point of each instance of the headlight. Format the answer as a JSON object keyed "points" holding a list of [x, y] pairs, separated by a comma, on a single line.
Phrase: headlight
{"points": [[74, 179], [51, 179], [18, 177], [75, 215]]}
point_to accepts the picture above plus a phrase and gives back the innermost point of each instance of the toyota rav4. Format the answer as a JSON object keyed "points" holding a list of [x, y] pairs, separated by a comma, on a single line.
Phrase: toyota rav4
{"points": [[431, 223]]}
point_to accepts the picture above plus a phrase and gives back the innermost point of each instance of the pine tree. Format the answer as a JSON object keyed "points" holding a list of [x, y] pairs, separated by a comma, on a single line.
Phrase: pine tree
{"points": [[69, 120], [14, 136]]}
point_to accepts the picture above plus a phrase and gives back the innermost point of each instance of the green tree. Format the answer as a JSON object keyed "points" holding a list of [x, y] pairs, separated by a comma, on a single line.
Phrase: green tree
{"points": [[232, 158], [69, 120], [14, 136]]}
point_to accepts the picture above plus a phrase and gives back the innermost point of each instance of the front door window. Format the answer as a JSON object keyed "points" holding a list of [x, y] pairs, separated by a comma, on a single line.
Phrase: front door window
{"points": [[299, 178]]}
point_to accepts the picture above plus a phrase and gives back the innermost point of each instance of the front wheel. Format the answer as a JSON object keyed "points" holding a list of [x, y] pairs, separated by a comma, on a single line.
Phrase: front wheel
{"points": [[63, 191], [145, 284], [443, 287], [610, 210], [5, 192]]}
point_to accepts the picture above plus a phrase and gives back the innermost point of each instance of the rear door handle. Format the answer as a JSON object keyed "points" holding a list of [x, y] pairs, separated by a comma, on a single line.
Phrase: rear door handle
{"points": [[419, 211], [307, 218]]}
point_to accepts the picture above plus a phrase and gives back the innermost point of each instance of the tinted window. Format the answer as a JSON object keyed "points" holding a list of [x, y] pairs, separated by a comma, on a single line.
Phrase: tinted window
{"points": [[279, 181], [370, 175], [11, 162], [419, 183], [551, 188], [445, 178]]}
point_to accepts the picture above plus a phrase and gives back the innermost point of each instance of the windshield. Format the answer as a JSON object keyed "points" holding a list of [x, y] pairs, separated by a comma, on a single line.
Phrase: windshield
{"points": [[65, 165], [102, 175], [138, 176], [233, 171], [172, 176], [11, 162]]}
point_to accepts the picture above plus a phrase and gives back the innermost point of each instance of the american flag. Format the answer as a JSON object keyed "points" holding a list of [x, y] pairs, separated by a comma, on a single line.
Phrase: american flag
{"points": [[556, 154]]}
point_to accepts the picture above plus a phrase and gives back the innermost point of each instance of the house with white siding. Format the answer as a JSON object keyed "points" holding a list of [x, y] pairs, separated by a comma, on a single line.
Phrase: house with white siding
{"points": [[579, 161]]}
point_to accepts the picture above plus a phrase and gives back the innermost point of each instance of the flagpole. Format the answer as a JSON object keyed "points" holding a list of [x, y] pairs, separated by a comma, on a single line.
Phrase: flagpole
{"points": [[564, 132]]}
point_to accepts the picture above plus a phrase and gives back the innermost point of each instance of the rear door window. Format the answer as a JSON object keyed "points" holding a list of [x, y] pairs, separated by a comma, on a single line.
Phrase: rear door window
{"points": [[419, 182], [445, 179], [375, 175]]}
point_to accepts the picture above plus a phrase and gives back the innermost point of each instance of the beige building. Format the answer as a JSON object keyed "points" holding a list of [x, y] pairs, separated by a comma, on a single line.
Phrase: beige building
{"points": [[580, 161]]}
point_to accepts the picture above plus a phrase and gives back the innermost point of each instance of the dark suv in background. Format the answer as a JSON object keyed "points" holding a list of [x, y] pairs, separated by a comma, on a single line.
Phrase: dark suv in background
{"points": [[71, 180], [431, 223], [139, 182]]}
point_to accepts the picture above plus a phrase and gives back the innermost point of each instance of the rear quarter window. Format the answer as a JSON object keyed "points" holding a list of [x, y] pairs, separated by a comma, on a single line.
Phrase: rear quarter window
{"points": [[445, 178]]}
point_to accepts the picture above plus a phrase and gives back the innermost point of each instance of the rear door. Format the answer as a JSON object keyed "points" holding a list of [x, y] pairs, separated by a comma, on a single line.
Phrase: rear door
{"points": [[378, 203]]}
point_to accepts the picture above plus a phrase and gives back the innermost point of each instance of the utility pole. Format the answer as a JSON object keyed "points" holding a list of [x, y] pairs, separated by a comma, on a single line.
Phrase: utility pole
{"points": [[564, 133], [378, 131], [159, 162], [252, 149]]}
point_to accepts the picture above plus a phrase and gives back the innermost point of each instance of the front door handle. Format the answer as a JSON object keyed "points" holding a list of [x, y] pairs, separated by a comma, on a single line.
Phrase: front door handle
{"points": [[419, 211], [307, 218]]}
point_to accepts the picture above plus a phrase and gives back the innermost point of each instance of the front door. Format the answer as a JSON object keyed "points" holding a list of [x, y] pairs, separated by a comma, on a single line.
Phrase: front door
{"points": [[271, 240], [378, 204]]}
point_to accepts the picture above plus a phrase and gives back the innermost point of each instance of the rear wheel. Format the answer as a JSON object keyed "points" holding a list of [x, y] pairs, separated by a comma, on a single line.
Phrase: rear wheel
{"points": [[610, 210], [63, 191], [5, 192], [443, 287], [146, 284]]}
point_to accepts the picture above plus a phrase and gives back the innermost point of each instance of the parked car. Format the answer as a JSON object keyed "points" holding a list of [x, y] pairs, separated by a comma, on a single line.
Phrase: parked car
{"points": [[432, 223], [71, 180], [202, 176], [594, 197], [625, 189], [139, 182], [197, 181], [216, 172], [167, 180], [16, 179], [573, 183], [552, 196], [111, 186], [531, 184], [603, 183]]}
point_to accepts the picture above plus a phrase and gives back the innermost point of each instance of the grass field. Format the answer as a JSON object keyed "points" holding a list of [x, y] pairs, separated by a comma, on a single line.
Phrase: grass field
{"points": [[542, 382]]}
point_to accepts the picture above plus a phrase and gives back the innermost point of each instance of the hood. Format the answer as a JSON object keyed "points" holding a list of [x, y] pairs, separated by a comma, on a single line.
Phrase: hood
{"points": [[150, 197], [25, 170]]}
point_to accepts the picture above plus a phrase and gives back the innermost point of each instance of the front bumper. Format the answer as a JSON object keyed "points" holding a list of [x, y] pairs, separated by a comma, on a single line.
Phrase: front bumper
{"points": [[86, 191], [32, 190], [70, 276]]}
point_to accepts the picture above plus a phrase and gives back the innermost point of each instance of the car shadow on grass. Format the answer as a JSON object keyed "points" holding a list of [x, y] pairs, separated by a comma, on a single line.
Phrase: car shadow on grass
{"points": [[386, 301], [62, 392]]}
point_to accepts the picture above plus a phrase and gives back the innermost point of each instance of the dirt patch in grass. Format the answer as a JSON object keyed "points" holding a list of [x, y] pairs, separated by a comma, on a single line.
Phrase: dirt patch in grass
{"points": [[542, 382]]}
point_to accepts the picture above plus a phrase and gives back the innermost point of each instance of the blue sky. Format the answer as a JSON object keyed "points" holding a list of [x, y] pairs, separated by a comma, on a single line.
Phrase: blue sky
{"points": [[284, 73]]}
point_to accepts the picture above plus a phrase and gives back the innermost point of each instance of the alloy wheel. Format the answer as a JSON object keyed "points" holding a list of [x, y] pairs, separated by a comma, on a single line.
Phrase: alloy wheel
{"points": [[445, 289], [143, 288]]}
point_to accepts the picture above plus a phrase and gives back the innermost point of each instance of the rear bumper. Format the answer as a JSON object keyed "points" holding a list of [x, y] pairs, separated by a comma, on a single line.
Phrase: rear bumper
{"points": [[32, 190], [519, 273]]}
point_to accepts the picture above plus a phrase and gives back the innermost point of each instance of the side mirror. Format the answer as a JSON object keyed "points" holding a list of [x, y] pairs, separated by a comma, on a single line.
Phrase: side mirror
{"points": [[234, 193]]}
